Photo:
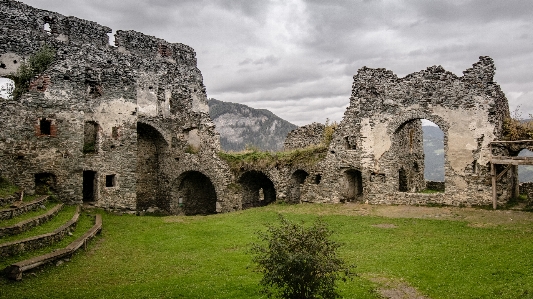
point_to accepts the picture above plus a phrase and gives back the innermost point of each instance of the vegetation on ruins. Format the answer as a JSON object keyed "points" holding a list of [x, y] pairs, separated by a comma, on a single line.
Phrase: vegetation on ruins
{"points": [[253, 158], [35, 65], [299, 262], [462, 253], [7, 188], [517, 128]]}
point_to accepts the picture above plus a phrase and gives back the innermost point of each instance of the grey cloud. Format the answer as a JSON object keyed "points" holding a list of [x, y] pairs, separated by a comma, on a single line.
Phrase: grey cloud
{"points": [[306, 76], [269, 60]]}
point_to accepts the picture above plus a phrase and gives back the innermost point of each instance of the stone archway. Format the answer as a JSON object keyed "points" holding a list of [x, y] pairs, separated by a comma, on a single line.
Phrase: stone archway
{"points": [[257, 189], [195, 194]]}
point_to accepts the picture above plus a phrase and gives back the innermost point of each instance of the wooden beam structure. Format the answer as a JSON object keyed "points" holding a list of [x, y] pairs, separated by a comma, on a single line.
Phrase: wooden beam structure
{"points": [[506, 160]]}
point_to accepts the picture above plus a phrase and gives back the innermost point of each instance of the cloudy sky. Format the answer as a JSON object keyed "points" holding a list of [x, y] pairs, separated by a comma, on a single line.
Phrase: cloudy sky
{"points": [[297, 57]]}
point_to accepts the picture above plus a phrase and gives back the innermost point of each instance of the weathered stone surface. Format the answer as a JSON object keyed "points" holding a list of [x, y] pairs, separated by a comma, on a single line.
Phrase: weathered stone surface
{"points": [[115, 125], [304, 136], [376, 154], [127, 127]]}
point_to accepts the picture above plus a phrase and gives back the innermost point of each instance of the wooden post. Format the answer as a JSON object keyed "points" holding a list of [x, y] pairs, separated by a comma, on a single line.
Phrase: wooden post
{"points": [[493, 175]]}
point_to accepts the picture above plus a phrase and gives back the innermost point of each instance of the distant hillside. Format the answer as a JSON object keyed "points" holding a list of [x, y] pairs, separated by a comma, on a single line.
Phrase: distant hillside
{"points": [[240, 125]]}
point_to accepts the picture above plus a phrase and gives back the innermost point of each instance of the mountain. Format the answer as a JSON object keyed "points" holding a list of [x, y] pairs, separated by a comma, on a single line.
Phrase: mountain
{"points": [[240, 126]]}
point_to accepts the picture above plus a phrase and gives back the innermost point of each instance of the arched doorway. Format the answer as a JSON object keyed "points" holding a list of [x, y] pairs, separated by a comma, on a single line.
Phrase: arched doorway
{"points": [[419, 148], [257, 189], [195, 195], [150, 145], [294, 191], [353, 188]]}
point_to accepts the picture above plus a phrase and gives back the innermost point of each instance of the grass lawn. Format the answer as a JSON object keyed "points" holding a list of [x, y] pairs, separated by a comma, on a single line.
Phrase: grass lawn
{"points": [[208, 256]]}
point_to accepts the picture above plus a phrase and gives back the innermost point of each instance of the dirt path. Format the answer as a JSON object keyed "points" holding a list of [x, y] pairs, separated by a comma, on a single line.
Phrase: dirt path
{"points": [[476, 217]]}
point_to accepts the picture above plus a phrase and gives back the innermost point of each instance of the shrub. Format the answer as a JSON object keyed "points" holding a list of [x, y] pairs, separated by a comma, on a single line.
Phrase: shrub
{"points": [[299, 262], [36, 64], [516, 128]]}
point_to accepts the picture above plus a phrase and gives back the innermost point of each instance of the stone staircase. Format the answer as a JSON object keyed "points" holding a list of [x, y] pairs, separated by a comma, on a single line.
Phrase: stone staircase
{"points": [[30, 232]]}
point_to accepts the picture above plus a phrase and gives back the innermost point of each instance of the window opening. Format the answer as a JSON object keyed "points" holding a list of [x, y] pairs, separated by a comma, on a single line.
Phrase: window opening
{"points": [[45, 183], [90, 131], [110, 180], [114, 133], [111, 38], [47, 28], [45, 126], [6, 88]]}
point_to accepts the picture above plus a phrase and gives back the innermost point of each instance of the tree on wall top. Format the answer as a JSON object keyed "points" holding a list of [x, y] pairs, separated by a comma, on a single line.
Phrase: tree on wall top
{"points": [[36, 64]]}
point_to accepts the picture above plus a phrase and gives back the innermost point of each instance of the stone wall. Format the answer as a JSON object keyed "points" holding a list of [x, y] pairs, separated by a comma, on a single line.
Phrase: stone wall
{"points": [[127, 126], [125, 121], [36, 242], [304, 136], [23, 208], [378, 144], [30, 223]]}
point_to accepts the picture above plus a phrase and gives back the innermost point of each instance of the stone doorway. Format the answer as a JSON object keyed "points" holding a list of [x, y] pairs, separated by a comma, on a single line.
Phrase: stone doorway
{"points": [[196, 195], [297, 180], [89, 186]]}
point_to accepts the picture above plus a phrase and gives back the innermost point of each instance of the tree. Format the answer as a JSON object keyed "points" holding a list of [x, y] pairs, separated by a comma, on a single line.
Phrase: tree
{"points": [[36, 64], [299, 262]]}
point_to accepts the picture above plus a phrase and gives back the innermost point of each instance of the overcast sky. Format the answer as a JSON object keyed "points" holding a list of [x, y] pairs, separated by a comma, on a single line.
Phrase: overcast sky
{"points": [[297, 57]]}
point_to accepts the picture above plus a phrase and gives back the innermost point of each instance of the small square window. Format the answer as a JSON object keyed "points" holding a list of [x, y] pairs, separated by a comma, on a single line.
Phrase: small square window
{"points": [[44, 126], [110, 180]]}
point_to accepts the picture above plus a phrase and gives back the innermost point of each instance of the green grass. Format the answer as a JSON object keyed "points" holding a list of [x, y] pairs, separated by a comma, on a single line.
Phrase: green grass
{"points": [[84, 223], [208, 257], [7, 188], [61, 218], [253, 158], [28, 215]]}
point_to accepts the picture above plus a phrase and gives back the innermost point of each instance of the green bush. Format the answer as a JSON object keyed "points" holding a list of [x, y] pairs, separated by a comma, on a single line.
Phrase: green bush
{"points": [[299, 262], [35, 65]]}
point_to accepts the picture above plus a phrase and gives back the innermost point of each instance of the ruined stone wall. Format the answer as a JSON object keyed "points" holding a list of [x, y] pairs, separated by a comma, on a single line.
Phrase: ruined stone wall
{"points": [[304, 136], [382, 124], [144, 97]]}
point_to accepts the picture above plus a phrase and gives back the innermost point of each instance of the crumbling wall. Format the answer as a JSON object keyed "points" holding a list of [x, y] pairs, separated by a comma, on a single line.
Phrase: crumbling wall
{"points": [[144, 100], [312, 134], [382, 124]]}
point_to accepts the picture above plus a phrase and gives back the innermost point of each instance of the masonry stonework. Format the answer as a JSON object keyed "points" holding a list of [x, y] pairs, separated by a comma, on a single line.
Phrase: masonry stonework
{"points": [[121, 123], [377, 148], [127, 127]]}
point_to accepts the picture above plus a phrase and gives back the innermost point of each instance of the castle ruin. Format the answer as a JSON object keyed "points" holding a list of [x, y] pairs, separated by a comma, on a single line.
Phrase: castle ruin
{"points": [[126, 126]]}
